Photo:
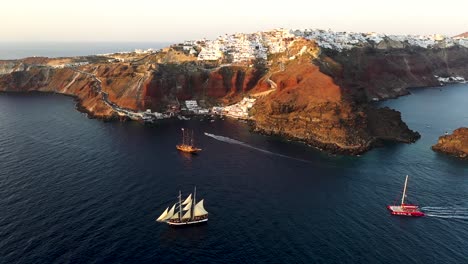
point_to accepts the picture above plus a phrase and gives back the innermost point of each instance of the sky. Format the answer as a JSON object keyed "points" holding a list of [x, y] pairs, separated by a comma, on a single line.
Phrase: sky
{"points": [[178, 20]]}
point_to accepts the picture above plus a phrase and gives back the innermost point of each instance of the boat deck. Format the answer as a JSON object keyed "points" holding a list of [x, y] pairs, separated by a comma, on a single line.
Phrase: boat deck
{"points": [[188, 222], [399, 208], [408, 210]]}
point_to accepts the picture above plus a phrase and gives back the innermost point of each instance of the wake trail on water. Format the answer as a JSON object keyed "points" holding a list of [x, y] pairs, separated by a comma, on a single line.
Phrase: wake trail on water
{"points": [[237, 142], [448, 212]]}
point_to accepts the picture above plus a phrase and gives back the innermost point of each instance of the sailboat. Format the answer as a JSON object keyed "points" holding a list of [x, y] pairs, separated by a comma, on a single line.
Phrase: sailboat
{"points": [[184, 213], [187, 143], [405, 209]]}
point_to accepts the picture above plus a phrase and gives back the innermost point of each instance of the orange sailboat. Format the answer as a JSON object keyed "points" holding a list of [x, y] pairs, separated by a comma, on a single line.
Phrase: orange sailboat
{"points": [[187, 143]]}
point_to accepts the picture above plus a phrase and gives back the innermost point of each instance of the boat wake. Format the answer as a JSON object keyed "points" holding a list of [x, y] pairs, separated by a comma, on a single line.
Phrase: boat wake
{"points": [[237, 142], [446, 212]]}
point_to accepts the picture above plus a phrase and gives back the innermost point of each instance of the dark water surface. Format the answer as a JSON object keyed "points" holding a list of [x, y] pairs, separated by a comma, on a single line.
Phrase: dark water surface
{"points": [[75, 190]]}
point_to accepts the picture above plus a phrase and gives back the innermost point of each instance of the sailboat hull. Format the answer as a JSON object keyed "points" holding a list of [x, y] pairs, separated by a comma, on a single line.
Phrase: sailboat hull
{"points": [[405, 210], [188, 149], [188, 223]]}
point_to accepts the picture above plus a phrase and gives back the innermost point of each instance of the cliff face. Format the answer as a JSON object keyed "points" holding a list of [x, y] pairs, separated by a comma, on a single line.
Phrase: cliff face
{"points": [[455, 144], [64, 81], [136, 86], [7, 67], [309, 106], [370, 73], [186, 81]]}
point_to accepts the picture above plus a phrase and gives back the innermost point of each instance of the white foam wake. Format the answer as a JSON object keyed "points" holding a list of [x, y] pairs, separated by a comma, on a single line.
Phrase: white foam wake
{"points": [[448, 212], [237, 142]]}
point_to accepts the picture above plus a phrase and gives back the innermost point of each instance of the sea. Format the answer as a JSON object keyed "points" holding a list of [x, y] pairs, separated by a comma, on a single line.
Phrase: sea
{"points": [[79, 190], [18, 50]]}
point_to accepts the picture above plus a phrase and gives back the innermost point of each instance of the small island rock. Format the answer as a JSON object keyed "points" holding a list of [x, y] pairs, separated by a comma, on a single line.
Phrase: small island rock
{"points": [[455, 144]]}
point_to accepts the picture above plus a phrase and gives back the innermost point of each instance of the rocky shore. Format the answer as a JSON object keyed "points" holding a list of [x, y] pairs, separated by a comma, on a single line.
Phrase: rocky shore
{"points": [[455, 145]]}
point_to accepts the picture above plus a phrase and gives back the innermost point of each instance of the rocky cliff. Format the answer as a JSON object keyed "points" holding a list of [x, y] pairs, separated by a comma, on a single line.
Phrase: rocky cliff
{"points": [[316, 95], [7, 67], [455, 144], [375, 74], [310, 106], [136, 85]]}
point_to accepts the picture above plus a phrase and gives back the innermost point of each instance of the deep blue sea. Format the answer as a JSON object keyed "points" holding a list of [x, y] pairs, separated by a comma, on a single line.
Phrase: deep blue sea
{"points": [[18, 50], [78, 190]]}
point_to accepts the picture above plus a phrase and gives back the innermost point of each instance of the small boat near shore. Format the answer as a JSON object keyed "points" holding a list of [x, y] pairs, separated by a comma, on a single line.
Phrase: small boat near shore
{"points": [[185, 213], [187, 144], [405, 209]]}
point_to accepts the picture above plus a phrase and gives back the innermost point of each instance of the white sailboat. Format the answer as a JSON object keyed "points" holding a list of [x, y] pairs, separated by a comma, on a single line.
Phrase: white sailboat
{"points": [[186, 212]]}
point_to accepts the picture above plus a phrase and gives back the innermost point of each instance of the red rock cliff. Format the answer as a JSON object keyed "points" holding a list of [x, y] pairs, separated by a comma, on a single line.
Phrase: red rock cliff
{"points": [[308, 105], [135, 85]]}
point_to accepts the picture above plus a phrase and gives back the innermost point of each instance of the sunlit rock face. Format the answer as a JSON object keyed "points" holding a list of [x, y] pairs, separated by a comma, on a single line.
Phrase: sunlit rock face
{"points": [[455, 144]]}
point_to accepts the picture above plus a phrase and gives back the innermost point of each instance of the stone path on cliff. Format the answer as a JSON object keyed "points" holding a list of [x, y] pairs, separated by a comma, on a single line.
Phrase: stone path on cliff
{"points": [[104, 95], [76, 75], [139, 83], [272, 84]]}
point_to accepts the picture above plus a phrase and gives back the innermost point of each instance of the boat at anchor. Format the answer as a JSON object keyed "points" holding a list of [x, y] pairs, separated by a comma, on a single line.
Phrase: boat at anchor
{"points": [[188, 144], [405, 209], [184, 213]]}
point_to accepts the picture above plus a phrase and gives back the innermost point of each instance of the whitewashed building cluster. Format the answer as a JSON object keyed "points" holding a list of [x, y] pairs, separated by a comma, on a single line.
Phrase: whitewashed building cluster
{"points": [[246, 47], [347, 40], [147, 51], [72, 64], [242, 47], [277, 40], [211, 52], [241, 109], [192, 106], [449, 80]]}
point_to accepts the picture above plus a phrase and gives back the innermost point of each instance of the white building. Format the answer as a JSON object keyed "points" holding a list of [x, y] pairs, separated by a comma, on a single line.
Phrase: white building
{"points": [[191, 104], [246, 47], [241, 109]]}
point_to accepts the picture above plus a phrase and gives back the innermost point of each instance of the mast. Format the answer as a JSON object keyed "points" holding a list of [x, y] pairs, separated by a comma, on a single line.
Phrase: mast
{"points": [[183, 136], [194, 201], [404, 191], [191, 143], [180, 206]]}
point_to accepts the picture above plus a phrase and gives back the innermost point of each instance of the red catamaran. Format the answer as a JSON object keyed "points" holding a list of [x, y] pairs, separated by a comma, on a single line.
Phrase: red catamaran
{"points": [[405, 209]]}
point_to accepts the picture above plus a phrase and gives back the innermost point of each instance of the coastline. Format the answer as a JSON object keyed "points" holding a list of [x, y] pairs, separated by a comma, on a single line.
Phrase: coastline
{"points": [[328, 147], [78, 103], [321, 96]]}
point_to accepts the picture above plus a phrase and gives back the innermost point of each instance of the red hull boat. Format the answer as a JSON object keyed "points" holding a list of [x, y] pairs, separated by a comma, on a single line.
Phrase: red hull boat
{"points": [[405, 209]]}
